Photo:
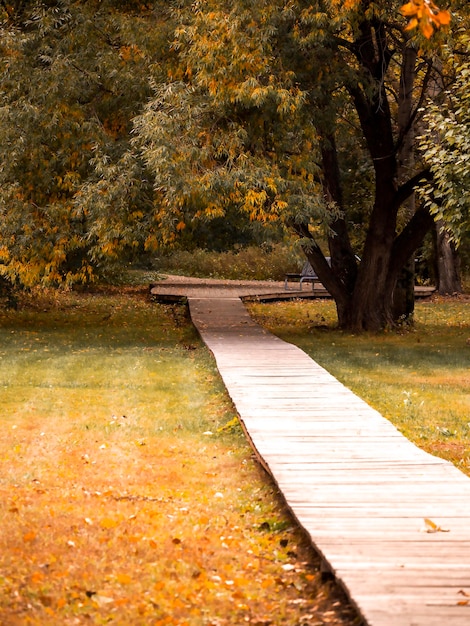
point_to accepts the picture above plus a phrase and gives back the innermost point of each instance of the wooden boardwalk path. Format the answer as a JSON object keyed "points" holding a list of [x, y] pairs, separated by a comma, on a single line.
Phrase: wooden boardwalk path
{"points": [[355, 484]]}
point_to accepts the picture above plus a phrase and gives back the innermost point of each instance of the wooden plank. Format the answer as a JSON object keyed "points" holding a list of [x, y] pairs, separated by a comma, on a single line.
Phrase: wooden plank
{"points": [[356, 485]]}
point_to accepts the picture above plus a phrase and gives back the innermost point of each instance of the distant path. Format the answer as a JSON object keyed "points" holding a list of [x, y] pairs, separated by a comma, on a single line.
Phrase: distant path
{"points": [[355, 484], [183, 286]]}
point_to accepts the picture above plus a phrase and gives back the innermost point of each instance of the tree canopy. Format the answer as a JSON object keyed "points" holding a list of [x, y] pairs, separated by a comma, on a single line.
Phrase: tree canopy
{"points": [[127, 123], [446, 148], [269, 98], [72, 77]]}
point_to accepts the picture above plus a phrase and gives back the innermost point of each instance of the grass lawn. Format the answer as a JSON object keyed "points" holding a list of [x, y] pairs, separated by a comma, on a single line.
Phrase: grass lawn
{"points": [[128, 494], [419, 379]]}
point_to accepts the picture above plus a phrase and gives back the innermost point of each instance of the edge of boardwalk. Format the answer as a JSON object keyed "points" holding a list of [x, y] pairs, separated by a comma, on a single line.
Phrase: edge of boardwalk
{"points": [[356, 486]]}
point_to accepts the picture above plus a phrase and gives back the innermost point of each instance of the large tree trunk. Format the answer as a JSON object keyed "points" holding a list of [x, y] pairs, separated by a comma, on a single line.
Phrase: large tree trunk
{"points": [[373, 303], [370, 305], [366, 296], [448, 263], [343, 260], [376, 280]]}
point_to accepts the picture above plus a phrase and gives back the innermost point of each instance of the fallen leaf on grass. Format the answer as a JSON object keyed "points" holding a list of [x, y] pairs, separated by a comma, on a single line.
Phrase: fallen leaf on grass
{"points": [[37, 577], [108, 523], [123, 579]]}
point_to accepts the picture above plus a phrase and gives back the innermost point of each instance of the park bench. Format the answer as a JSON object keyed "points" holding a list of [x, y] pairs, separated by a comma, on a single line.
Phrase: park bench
{"points": [[307, 274]]}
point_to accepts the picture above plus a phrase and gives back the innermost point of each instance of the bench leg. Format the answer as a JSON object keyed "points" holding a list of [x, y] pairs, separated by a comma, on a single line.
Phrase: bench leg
{"points": [[293, 278], [286, 286]]}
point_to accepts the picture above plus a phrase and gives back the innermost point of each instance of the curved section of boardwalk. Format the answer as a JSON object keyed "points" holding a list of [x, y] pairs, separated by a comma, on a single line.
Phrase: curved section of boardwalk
{"points": [[356, 485]]}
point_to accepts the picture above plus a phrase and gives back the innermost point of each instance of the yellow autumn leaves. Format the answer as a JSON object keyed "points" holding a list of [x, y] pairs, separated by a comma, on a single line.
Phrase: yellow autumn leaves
{"points": [[423, 14], [141, 519], [426, 16]]}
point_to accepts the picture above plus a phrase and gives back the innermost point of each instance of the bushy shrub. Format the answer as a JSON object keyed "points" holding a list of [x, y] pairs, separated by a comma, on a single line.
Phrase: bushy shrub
{"points": [[265, 262]]}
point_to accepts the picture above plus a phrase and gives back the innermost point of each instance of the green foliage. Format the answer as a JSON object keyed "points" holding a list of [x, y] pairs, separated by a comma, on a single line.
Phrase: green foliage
{"points": [[231, 129], [446, 148], [245, 263], [204, 174], [72, 77]]}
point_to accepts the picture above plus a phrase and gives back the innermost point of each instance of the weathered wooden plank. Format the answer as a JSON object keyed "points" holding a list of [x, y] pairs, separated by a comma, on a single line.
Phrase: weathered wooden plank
{"points": [[311, 514], [411, 614], [409, 578], [356, 485], [379, 530]]}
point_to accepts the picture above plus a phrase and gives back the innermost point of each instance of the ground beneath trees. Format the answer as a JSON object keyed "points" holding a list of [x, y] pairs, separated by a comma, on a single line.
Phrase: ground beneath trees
{"points": [[128, 494]]}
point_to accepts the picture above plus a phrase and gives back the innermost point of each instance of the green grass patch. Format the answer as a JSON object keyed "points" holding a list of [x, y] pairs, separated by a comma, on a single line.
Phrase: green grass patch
{"points": [[103, 355], [419, 378], [128, 493]]}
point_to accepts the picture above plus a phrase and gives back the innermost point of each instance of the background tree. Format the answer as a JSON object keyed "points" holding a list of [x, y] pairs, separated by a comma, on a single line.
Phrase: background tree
{"points": [[294, 113], [256, 118], [445, 147], [72, 76]]}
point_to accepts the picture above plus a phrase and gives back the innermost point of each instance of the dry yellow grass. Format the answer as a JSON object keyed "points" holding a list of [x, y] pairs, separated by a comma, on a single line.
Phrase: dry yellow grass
{"points": [[123, 497]]}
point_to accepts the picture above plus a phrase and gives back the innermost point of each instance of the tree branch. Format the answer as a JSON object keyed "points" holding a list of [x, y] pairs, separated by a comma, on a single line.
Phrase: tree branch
{"points": [[405, 190], [317, 260], [411, 236], [416, 109]]}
